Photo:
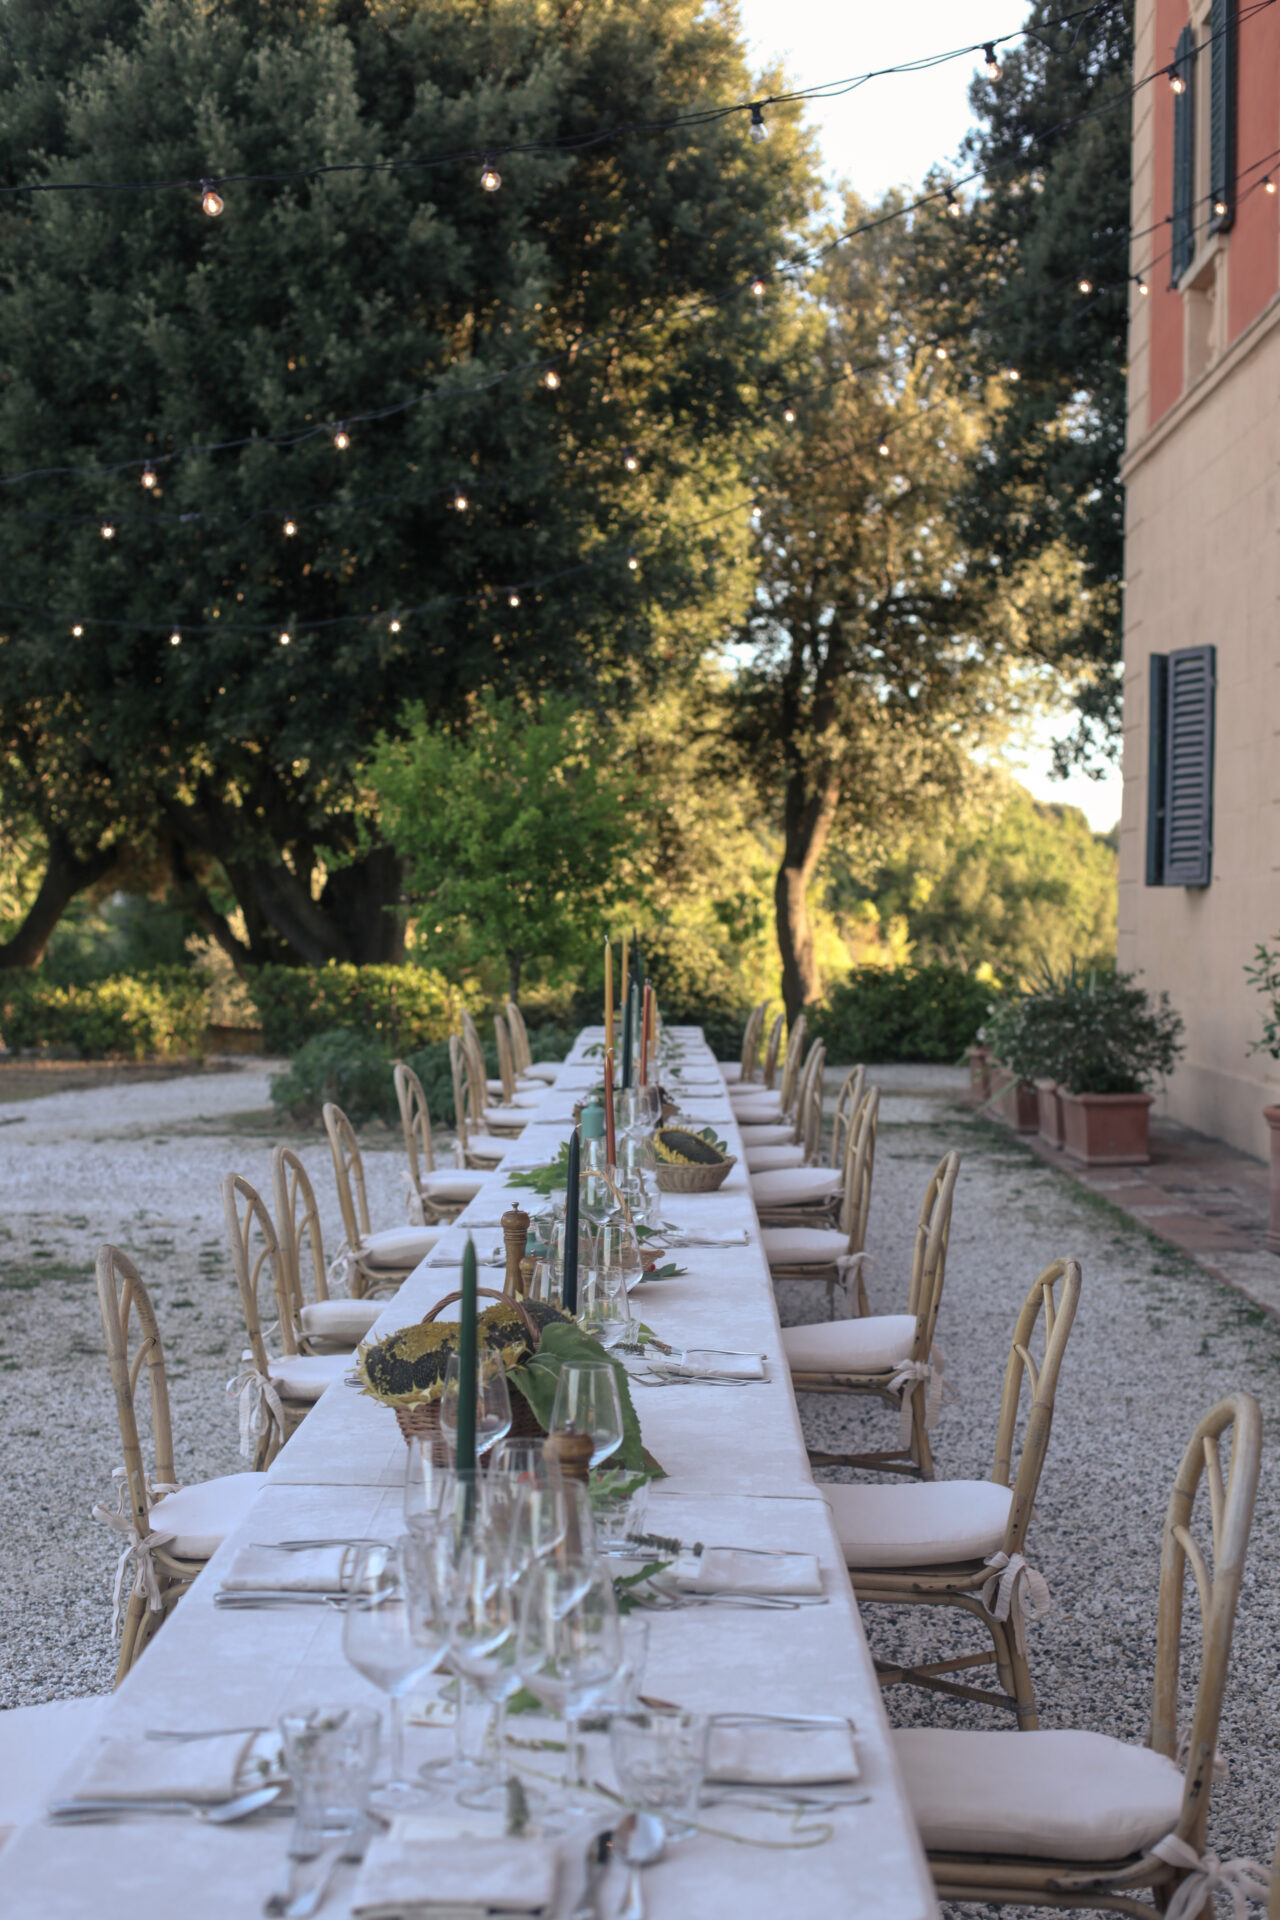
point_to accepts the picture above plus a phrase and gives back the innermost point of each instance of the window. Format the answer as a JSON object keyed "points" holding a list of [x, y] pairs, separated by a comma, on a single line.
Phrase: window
{"points": [[1184, 157], [1180, 768], [1221, 186]]}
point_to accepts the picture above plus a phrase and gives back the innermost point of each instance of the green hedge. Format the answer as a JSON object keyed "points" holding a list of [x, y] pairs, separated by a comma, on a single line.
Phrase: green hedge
{"points": [[402, 1007], [903, 1013], [354, 1071], [164, 1011]]}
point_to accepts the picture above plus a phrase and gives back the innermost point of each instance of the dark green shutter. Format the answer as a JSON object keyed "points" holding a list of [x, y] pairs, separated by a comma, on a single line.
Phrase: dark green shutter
{"points": [[1157, 734], [1222, 114], [1188, 787], [1184, 157]]}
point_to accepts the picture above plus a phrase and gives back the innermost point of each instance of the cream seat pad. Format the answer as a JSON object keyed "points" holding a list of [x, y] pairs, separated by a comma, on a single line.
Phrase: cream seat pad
{"points": [[778, 1135], [347, 1320], [803, 1246], [871, 1345], [200, 1517], [397, 1247], [1049, 1795], [448, 1186], [506, 1116], [487, 1146], [545, 1070], [796, 1186], [766, 1159], [305, 1376], [919, 1523], [37, 1746], [730, 1069]]}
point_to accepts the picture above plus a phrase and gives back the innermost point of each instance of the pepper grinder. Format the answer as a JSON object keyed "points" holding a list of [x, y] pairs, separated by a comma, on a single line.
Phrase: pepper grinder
{"points": [[515, 1238]]}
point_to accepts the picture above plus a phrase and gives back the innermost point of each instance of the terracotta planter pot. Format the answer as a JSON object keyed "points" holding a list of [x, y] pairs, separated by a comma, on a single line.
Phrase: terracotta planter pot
{"points": [[233, 1039], [1014, 1101], [1049, 1111], [1106, 1129], [1272, 1117], [979, 1074]]}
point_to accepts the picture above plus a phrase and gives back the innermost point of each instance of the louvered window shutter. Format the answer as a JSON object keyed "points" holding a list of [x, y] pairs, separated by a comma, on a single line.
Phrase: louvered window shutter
{"points": [[1222, 115], [1184, 157], [1157, 735], [1188, 789]]}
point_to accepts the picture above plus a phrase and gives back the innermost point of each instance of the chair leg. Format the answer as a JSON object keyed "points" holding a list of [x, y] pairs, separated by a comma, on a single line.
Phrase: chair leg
{"points": [[1012, 1672], [131, 1643]]}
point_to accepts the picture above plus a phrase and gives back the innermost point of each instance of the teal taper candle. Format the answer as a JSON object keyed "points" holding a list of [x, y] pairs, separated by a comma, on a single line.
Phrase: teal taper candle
{"points": [[571, 1226], [465, 1445]]}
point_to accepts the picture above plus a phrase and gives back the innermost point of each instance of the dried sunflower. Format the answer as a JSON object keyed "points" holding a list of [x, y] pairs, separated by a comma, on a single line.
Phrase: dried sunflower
{"points": [[409, 1366]]}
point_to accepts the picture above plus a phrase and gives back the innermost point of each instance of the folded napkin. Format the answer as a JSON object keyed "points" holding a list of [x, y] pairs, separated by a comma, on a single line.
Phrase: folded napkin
{"points": [[258, 1569], [406, 1876], [705, 1236], [129, 1767], [742, 1570], [697, 1361], [766, 1753]]}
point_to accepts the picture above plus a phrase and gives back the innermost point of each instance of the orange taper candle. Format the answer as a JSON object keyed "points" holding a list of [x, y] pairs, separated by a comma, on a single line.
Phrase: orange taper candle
{"points": [[610, 1141], [608, 996], [645, 1018]]}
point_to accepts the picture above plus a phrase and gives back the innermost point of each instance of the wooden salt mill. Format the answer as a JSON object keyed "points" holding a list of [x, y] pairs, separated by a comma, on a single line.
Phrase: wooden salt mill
{"points": [[515, 1237]]}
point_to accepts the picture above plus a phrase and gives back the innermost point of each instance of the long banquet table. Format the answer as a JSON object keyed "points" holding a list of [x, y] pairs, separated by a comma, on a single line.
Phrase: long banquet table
{"points": [[737, 1474]]}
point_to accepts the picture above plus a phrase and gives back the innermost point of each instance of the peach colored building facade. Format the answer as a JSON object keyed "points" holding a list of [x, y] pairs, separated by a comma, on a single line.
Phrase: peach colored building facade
{"points": [[1200, 827]]}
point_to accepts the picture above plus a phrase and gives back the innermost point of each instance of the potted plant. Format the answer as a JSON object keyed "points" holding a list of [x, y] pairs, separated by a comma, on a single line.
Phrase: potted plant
{"points": [[1015, 1060], [1264, 974], [1108, 1039]]}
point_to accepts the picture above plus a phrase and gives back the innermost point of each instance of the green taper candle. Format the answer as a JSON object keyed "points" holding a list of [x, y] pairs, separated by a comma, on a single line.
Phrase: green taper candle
{"points": [[465, 1444], [628, 1035]]}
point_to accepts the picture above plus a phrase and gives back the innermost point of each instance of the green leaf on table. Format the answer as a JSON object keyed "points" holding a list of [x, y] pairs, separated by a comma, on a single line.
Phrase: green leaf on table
{"points": [[537, 1378], [669, 1272], [546, 1178], [625, 1585]]}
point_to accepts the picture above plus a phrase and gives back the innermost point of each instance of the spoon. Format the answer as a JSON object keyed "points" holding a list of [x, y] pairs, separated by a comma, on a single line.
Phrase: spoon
{"points": [[640, 1840]]}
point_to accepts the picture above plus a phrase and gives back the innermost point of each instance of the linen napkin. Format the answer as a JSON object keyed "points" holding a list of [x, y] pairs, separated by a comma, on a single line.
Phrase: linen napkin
{"points": [[766, 1753], [678, 1236], [742, 1570], [403, 1877], [265, 1569], [695, 1362], [130, 1767]]}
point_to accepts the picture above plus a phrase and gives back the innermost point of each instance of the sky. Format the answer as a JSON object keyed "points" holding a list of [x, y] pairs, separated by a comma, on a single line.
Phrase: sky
{"points": [[888, 133]]}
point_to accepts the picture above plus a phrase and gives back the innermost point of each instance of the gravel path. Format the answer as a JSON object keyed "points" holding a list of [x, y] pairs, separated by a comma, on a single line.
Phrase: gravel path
{"points": [[1155, 1343]]}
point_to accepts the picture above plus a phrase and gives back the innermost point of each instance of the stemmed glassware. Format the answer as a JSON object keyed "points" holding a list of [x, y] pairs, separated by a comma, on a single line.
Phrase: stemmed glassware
{"points": [[568, 1648], [604, 1309], [493, 1402], [555, 1259], [391, 1634], [587, 1401], [428, 1478]]}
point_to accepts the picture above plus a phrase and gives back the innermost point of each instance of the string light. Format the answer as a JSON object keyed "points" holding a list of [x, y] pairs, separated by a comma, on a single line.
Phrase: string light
{"points": [[108, 530], [513, 599], [631, 460], [1140, 284], [1012, 374], [1268, 184], [395, 626], [1219, 208], [953, 205], [148, 476], [77, 632], [883, 448], [459, 500], [175, 638], [284, 639], [342, 439], [210, 199], [789, 415], [633, 563], [289, 529], [989, 59], [940, 353], [490, 178], [551, 379], [758, 130], [1085, 285], [1176, 82]]}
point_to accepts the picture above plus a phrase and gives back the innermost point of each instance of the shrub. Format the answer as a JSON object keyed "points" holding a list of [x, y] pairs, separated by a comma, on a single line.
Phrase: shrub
{"points": [[402, 1007], [903, 1013], [164, 1011], [1100, 1032], [347, 1068]]}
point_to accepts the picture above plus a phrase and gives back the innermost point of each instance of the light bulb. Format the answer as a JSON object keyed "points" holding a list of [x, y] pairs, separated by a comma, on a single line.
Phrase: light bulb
{"points": [[758, 129], [342, 439], [631, 460], [289, 529], [77, 632], [1011, 373], [175, 638], [148, 476], [1268, 184], [284, 639], [1085, 285], [1141, 284], [883, 448], [1176, 82], [210, 199], [459, 500], [633, 563], [490, 178], [551, 379], [395, 626], [789, 415], [941, 352], [757, 287], [1219, 208], [953, 205], [989, 60], [513, 599], [108, 530]]}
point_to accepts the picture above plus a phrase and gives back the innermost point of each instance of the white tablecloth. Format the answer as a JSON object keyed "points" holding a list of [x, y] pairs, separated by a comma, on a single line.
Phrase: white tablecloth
{"points": [[737, 1475]]}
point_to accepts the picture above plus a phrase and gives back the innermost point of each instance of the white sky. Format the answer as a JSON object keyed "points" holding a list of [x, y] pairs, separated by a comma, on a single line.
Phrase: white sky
{"points": [[888, 133]]}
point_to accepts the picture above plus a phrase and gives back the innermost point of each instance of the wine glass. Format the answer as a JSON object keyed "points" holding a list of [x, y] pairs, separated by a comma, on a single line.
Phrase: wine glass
{"points": [[391, 1634], [617, 1245], [605, 1309], [568, 1648], [555, 1258], [467, 1526], [427, 1479], [524, 1461], [493, 1402], [587, 1401], [479, 1616], [551, 1524]]}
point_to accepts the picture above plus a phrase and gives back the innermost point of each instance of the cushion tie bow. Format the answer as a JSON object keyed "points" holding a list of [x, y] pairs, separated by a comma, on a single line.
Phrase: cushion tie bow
{"points": [[911, 1374], [412, 1201], [1015, 1592], [260, 1404], [138, 1548], [1242, 1880]]}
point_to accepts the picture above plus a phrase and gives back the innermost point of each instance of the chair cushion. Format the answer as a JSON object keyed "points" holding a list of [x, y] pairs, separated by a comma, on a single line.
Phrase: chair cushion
{"points": [[871, 1345], [766, 1159], [759, 1113], [545, 1070], [796, 1186], [304, 1376], [730, 1069], [200, 1517], [1051, 1795], [37, 1746], [919, 1523], [448, 1185], [802, 1246], [346, 1320], [506, 1116], [487, 1146], [398, 1247], [777, 1134]]}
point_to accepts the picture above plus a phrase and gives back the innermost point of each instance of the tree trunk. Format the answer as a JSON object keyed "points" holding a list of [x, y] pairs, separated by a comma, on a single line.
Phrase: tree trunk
{"points": [[66, 875], [808, 817], [514, 961]]}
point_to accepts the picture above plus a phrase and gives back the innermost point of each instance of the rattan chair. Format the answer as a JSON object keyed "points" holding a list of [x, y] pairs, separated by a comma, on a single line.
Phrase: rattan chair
{"points": [[320, 1323], [888, 1355], [744, 1068], [804, 1147], [526, 1066], [274, 1393], [835, 1255], [755, 1106], [960, 1543], [773, 1047], [435, 1194], [477, 1147], [367, 1262], [503, 1121], [848, 1101], [169, 1532], [1080, 1819], [516, 1092], [806, 1195]]}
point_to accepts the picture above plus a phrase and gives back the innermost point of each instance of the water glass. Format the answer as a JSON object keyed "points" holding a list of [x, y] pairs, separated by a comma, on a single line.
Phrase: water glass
{"points": [[428, 1480], [392, 1635], [604, 1311], [551, 1525], [660, 1758], [330, 1753], [555, 1258], [569, 1648], [618, 1246], [587, 1401], [493, 1402]]}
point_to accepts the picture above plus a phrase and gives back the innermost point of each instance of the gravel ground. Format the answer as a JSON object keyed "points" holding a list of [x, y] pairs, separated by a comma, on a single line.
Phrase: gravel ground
{"points": [[1156, 1343]]}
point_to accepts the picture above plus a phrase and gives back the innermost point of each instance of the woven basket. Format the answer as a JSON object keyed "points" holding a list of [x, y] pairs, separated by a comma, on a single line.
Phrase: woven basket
{"points": [[700, 1178], [421, 1419]]}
